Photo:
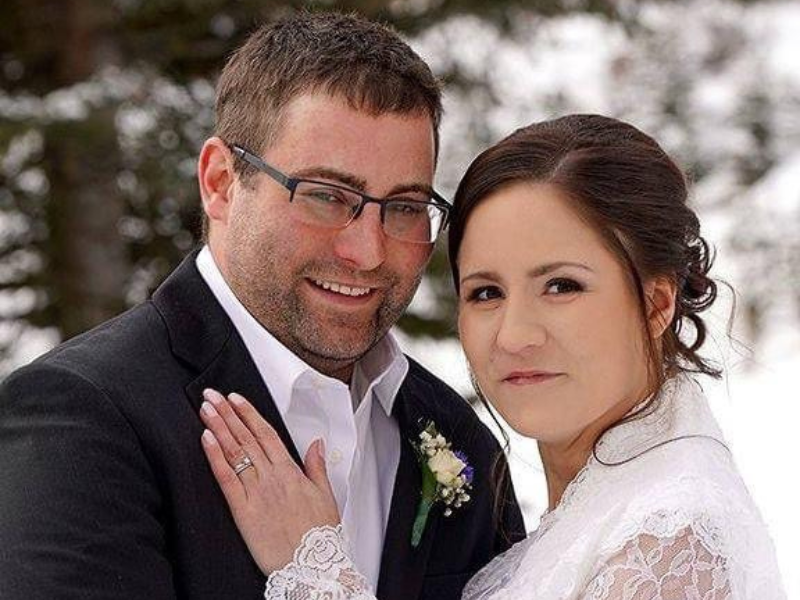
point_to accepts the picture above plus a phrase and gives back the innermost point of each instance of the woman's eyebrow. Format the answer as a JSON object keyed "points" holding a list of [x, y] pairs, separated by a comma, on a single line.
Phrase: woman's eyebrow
{"points": [[543, 269], [480, 275], [550, 267]]}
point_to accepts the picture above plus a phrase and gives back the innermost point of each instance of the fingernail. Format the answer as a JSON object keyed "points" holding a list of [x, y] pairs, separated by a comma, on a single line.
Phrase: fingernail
{"points": [[321, 448], [213, 396], [208, 409], [208, 437], [236, 399]]}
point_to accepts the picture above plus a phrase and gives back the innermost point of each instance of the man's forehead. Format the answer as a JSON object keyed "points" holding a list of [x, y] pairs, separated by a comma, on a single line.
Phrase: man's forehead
{"points": [[319, 134], [309, 110]]}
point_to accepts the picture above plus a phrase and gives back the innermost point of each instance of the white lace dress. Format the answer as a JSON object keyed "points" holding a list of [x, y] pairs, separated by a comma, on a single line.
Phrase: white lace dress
{"points": [[659, 514]]}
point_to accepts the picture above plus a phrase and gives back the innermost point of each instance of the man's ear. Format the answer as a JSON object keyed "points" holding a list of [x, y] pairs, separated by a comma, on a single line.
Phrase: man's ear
{"points": [[660, 297], [215, 176]]}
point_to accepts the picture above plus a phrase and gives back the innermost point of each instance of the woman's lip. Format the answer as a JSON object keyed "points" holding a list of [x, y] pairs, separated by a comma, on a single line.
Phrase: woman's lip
{"points": [[529, 377]]}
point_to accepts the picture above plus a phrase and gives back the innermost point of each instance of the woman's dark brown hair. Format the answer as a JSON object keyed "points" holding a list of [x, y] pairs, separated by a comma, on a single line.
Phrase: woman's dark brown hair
{"points": [[633, 194]]}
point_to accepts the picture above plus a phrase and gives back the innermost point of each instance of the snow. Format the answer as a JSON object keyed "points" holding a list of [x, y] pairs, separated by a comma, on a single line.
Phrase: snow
{"points": [[731, 61]]}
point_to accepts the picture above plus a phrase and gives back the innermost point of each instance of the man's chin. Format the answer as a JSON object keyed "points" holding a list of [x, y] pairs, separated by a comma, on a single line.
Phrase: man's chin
{"points": [[330, 337], [343, 348]]}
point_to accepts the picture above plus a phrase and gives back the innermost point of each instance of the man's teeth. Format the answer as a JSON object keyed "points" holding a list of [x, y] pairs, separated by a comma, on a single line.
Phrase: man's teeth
{"points": [[341, 289]]}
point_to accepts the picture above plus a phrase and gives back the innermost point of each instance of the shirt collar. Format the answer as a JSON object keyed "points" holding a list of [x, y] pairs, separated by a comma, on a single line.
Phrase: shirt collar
{"points": [[382, 370]]}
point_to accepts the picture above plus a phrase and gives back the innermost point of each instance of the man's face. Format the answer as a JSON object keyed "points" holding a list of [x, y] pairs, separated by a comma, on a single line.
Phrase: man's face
{"points": [[328, 294]]}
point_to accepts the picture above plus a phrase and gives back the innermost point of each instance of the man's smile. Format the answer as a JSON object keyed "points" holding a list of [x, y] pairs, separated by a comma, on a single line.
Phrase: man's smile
{"points": [[342, 288]]}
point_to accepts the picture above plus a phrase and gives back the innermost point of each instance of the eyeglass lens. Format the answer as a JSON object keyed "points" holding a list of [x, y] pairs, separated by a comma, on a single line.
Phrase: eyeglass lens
{"points": [[407, 217]]}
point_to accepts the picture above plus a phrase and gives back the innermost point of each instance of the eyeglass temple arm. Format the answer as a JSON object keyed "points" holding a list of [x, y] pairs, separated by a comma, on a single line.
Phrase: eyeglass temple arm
{"points": [[259, 164]]}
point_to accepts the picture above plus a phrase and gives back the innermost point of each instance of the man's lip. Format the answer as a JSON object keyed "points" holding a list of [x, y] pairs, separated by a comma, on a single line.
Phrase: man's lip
{"points": [[343, 281]]}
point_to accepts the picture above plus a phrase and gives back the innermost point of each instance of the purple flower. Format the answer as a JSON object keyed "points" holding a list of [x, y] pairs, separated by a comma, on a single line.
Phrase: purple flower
{"points": [[468, 472]]}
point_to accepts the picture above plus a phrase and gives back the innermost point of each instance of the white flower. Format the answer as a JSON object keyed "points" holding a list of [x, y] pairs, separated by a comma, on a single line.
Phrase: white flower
{"points": [[446, 466]]}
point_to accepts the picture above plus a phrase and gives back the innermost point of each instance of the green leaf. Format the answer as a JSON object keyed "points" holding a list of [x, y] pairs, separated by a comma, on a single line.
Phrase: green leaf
{"points": [[420, 521], [429, 483]]}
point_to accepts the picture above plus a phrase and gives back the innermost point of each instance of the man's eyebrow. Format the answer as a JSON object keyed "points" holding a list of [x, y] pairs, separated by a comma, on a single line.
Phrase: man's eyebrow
{"points": [[332, 175], [358, 184], [535, 272], [411, 187]]}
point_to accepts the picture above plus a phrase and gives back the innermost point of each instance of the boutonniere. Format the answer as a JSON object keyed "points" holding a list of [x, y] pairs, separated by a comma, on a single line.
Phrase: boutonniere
{"points": [[446, 478]]}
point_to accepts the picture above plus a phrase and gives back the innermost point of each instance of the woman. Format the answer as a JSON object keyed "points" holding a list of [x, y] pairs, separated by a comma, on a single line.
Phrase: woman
{"points": [[577, 264]]}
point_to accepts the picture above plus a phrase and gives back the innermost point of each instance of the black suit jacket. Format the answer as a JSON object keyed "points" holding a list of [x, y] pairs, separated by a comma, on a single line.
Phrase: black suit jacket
{"points": [[105, 491]]}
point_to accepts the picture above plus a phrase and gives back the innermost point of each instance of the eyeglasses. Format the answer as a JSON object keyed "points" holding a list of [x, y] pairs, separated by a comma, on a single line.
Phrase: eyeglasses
{"points": [[414, 216]]}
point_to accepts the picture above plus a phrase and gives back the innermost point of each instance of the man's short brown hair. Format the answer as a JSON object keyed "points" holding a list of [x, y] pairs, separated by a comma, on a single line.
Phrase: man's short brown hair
{"points": [[345, 55]]}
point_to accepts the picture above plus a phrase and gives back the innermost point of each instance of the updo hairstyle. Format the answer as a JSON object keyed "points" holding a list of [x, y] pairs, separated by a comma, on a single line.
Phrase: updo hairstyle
{"points": [[633, 194]]}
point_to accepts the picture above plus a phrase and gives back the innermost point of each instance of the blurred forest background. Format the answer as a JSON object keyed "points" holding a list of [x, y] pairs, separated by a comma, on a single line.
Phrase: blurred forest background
{"points": [[105, 103]]}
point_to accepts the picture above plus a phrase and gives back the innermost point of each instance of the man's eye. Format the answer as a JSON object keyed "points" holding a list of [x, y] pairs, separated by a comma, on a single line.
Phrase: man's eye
{"points": [[326, 195], [408, 208], [484, 294], [563, 285]]}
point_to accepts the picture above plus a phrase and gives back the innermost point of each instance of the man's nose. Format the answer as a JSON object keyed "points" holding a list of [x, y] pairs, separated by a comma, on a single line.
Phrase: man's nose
{"points": [[520, 328], [363, 242]]}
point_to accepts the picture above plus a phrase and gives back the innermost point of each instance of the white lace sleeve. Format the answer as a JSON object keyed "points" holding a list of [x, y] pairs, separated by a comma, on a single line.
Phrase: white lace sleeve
{"points": [[650, 567], [321, 570]]}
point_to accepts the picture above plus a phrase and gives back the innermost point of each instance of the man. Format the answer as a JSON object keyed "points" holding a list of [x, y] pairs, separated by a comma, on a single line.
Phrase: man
{"points": [[320, 218]]}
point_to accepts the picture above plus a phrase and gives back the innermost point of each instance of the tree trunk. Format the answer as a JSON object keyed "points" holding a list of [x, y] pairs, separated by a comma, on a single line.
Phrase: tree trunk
{"points": [[87, 257]]}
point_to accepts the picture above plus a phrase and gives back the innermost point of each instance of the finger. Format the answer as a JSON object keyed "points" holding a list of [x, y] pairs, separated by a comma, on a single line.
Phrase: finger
{"points": [[233, 451], [316, 468], [237, 430], [267, 437], [232, 487]]}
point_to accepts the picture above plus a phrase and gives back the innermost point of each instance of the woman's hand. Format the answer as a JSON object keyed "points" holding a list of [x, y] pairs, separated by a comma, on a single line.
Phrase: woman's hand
{"points": [[273, 502]]}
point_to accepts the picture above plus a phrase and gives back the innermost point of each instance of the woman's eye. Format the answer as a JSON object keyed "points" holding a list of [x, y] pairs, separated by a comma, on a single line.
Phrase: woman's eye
{"points": [[563, 285], [484, 294]]}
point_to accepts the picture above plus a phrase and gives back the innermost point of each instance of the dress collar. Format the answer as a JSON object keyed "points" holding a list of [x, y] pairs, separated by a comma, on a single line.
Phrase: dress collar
{"points": [[679, 411]]}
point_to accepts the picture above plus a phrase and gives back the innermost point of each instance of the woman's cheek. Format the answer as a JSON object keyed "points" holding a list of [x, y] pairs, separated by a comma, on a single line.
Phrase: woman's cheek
{"points": [[475, 337]]}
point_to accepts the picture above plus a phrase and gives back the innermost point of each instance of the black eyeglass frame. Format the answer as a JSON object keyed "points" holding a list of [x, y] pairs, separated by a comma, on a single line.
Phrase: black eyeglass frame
{"points": [[291, 183]]}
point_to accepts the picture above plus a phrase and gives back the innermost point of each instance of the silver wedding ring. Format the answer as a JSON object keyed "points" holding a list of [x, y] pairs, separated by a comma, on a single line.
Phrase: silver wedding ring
{"points": [[243, 465]]}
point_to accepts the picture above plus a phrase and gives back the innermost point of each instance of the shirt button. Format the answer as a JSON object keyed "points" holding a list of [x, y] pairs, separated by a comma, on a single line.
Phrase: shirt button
{"points": [[335, 456]]}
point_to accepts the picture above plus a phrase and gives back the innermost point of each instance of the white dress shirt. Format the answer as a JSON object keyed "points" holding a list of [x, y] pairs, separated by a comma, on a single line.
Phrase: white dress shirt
{"points": [[362, 446]]}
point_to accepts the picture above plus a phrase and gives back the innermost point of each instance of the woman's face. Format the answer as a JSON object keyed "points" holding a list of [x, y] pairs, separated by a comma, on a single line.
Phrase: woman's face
{"points": [[548, 319]]}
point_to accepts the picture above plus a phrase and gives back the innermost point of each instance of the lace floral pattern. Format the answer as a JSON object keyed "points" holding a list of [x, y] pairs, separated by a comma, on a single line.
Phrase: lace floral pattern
{"points": [[660, 513], [499, 573], [321, 570], [650, 567]]}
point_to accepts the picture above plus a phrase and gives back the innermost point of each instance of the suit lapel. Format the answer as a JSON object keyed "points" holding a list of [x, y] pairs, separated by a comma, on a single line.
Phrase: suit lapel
{"points": [[202, 335], [234, 371], [402, 566]]}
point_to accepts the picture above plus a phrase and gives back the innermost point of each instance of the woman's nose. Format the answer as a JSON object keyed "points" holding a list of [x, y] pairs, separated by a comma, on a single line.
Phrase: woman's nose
{"points": [[520, 328]]}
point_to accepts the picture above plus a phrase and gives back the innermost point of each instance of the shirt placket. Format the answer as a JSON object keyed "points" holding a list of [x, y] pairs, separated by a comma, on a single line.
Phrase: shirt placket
{"points": [[334, 400]]}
